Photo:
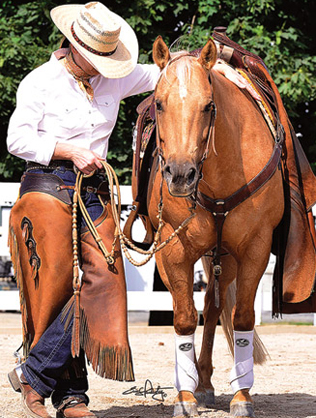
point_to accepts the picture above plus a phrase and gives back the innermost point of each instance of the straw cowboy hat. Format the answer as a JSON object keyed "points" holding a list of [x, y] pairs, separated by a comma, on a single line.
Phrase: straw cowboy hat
{"points": [[102, 37]]}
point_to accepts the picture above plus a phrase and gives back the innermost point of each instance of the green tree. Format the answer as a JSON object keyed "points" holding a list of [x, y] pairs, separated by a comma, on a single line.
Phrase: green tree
{"points": [[26, 39], [282, 32]]}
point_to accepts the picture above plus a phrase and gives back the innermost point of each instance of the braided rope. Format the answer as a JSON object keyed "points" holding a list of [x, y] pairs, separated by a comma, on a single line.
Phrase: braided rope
{"points": [[118, 233]]}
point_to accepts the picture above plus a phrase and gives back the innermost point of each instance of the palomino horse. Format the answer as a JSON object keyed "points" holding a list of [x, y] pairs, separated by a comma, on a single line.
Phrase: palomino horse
{"points": [[209, 156]]}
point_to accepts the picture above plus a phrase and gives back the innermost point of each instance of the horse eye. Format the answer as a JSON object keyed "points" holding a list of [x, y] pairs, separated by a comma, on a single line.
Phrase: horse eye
{"points": [[208, 107], [158, 105]]}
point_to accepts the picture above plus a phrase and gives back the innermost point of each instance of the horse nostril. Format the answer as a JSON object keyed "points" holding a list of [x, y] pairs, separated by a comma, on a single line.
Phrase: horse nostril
{"points": [[191, 175], [167, 170]]}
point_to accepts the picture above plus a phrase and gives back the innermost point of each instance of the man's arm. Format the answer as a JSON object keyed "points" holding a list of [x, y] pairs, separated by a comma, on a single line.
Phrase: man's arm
{"points": [[84, 159]]}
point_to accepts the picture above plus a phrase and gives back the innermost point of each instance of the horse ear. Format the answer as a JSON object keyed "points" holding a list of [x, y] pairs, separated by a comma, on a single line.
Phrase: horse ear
{"points": [[161, 54], [208, 55]]}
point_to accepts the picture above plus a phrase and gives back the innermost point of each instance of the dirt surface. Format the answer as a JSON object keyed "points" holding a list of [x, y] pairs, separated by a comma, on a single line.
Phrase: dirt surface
{"points": [[284, 387]]}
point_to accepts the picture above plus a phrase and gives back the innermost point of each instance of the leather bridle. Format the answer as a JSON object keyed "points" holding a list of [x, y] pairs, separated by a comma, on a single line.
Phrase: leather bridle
{"points": [[210, 134]]}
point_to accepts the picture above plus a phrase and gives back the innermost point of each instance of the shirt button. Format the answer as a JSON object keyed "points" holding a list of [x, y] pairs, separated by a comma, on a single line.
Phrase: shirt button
{"points": [[92, 124]]}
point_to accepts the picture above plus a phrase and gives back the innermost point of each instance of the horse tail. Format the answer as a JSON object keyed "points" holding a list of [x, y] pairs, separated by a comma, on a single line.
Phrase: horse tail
{"points": [[260, 353]]}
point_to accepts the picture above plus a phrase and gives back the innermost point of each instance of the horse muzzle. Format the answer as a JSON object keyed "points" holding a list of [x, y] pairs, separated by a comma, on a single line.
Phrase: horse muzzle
{"points": [[181, 178]]}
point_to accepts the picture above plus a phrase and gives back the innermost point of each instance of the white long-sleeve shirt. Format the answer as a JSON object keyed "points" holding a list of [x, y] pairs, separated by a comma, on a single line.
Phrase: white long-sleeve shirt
{"points": [[52, 108]]}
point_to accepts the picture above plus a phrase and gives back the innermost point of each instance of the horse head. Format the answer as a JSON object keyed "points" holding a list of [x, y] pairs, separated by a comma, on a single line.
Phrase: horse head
{"points": [[184, 112]]}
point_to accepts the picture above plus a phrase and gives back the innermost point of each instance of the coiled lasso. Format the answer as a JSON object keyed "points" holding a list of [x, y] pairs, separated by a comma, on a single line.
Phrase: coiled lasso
{"points": [[118, 234]]}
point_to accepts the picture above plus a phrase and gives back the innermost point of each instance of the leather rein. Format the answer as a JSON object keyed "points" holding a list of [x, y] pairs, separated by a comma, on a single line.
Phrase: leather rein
{"points": [[220, 208]]}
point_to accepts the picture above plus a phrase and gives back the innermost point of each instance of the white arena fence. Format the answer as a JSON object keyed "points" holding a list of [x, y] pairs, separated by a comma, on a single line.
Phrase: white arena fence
{"points": [[139, 280]]}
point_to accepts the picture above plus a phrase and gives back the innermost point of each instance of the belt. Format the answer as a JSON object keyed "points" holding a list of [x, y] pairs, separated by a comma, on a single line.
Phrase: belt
{"points": [[67, 164]]}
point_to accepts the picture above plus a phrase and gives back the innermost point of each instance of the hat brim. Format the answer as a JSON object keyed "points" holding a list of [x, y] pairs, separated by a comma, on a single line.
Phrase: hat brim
{"points": [[121, 63]]}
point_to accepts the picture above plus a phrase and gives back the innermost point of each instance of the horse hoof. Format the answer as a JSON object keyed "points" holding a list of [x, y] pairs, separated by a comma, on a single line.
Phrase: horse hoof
{"points": [[242, 409], [205, 399], [185, 409]]}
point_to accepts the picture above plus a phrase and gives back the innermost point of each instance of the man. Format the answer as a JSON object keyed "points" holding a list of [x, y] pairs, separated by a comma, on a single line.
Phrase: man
{"points": [[66, 111]]}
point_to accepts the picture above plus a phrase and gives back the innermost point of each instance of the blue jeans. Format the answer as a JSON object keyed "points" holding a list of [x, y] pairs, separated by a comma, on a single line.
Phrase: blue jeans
{"points": [[51, 356], [47, 361]]}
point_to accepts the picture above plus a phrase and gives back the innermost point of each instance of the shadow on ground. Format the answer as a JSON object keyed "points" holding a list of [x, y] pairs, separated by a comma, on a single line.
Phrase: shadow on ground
{"points": [[290, 405]]}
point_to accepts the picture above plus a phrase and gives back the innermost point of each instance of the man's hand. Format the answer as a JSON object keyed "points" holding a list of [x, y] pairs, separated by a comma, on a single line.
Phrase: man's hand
{"points": [[232, 75], [85, 160]]}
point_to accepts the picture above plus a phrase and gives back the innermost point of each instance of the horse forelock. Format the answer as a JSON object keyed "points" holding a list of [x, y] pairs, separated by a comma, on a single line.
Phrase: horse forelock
{"points": [[181, 70]]}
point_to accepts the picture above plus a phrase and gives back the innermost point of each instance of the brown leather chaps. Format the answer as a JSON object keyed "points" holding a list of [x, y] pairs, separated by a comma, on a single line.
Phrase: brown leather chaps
{"points": [[42, 255]]}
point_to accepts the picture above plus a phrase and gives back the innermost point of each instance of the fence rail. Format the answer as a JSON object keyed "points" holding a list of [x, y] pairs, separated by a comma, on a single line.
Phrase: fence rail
{"points": [[139, 280]]}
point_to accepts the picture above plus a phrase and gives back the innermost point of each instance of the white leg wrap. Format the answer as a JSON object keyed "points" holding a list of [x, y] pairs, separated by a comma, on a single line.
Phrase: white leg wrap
{"points": [[186, 375], [241, 375]]}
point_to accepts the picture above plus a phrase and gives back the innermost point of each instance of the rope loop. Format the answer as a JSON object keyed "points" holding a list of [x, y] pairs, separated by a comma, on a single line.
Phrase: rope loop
{"points": [[118, 233]]}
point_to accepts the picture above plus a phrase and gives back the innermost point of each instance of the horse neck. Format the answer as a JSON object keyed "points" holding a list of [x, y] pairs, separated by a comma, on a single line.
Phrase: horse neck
{"points": [[242, 142]]}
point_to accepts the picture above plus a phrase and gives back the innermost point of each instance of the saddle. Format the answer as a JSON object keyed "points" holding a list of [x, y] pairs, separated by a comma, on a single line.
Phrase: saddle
{"points": [[144, 144], [294, 239]]}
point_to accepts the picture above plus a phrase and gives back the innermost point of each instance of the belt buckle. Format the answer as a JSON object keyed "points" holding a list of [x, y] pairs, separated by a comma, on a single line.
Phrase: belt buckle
{"points": [[91, 189]]}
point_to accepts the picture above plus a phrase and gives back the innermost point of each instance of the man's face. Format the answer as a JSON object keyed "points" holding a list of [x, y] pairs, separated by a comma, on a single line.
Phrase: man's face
{"points": [[83, 63]]}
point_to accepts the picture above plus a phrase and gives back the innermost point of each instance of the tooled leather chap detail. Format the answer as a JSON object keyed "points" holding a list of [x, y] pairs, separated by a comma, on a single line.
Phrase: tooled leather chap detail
{"points": [[34, 259]]}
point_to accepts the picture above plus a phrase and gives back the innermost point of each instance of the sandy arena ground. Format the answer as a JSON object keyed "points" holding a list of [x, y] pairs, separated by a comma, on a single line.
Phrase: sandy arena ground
{"points": [[284, 387]]}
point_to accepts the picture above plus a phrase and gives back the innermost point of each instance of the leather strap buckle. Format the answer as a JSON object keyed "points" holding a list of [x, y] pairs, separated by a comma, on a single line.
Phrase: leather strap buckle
{"points": [[91, 189]]}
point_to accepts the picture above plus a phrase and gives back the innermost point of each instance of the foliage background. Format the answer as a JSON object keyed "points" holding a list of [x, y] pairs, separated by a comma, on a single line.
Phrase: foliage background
{"points": [[282, 32]]}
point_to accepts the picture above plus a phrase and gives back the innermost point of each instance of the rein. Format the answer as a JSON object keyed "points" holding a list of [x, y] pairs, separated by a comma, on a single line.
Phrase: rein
{"points": [[118, 234], [219, 208]]}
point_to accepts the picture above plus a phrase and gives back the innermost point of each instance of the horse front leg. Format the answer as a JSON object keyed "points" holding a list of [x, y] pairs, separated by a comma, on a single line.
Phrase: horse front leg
{"points": [[250, 270], [205, 391], [177, 273]]}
